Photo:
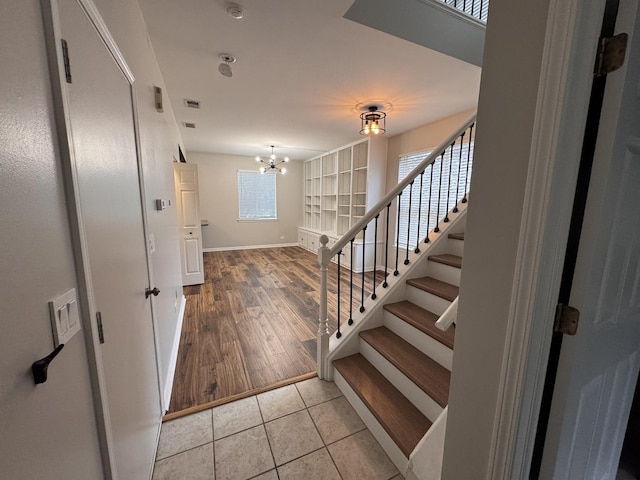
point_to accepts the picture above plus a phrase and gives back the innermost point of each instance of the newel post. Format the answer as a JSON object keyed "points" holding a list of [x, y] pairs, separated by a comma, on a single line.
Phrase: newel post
{"points": [[323, 320]]}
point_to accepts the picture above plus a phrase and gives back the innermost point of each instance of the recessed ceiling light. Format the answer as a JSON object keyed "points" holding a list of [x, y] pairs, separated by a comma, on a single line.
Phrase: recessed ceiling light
{"points": [[235, 10]]}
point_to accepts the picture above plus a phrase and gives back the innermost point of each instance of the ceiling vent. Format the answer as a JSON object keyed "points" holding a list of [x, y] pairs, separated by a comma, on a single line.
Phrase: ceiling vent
{"points": [[192, 103], [189, 125]]}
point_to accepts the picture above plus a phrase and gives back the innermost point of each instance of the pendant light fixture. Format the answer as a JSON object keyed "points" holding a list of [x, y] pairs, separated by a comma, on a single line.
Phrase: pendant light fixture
{"points": [[373, 121], [272, 164]]}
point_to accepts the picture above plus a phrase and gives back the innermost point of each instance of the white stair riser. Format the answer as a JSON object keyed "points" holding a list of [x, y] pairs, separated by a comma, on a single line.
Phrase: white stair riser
{"points": [[427, 300], [455, 247], [376, 429], [421, 400], [423, 342], [443, 272]]}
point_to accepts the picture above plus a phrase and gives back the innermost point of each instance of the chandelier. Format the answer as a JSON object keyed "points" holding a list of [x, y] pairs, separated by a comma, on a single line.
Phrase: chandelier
{"points": [[272, 164], [373, 121]]}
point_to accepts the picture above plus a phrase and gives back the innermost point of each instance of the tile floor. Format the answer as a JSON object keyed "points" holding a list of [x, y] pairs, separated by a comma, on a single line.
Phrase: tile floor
{"points": [[303, 431]]}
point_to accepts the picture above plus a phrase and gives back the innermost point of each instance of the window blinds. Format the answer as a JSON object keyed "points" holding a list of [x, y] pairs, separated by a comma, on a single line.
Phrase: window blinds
{"points": [[435, 182], [256, 195]]}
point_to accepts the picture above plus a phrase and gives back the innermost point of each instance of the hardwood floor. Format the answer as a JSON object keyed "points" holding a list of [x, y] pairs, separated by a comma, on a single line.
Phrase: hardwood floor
{"points": [[253, 323]]}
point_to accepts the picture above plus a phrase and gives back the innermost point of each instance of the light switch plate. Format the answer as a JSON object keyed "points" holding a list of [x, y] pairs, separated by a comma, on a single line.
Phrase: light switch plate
{"points": [[65, 317]]}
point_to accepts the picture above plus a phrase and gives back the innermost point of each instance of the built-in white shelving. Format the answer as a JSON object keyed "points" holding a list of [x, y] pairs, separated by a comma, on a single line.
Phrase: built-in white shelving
{"points": [[340, 186]]}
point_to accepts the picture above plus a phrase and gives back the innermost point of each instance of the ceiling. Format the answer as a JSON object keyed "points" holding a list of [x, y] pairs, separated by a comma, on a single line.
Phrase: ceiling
{"points": [[301, 76]]}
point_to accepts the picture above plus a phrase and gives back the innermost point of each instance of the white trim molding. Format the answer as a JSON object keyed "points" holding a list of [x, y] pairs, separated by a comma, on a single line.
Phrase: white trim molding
{"points": [[249, 247], [173, 360]]}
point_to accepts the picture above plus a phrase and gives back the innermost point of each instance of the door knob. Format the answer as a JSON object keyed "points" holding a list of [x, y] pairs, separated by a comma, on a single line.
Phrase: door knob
{"points": [[153, 292]]}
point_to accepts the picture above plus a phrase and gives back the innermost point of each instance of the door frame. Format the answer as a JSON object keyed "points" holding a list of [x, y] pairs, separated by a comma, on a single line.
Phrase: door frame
{"points": [[572, 32], [52, 30]]}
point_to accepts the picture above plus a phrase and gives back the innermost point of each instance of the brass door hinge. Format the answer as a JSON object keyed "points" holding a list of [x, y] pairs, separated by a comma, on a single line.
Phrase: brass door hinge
{"points": [[610, 54], [567, 319]]}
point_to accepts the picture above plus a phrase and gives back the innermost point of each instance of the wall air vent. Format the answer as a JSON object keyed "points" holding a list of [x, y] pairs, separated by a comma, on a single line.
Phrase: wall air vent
{"points": [[191, 103], [189, 125]]}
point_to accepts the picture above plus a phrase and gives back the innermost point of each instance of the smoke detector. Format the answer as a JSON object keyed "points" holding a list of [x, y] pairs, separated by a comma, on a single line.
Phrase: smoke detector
{"points": [[235, 10], [224, 68]]}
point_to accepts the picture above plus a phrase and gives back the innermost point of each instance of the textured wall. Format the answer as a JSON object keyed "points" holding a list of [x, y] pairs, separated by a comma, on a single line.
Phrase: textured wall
{"points": [[42, 426]]}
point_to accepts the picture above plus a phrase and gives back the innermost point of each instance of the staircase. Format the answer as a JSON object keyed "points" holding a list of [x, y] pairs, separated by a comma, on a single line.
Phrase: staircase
{"points": [[399, 379], [392, 356]]}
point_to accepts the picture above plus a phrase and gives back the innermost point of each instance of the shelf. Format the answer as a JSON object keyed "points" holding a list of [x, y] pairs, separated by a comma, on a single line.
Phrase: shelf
{"points": [[337, 185]]}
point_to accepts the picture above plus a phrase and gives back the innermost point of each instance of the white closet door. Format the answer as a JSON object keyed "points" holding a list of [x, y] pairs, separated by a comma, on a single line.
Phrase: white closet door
{"points": [[106, 166], [599, 366], [186, 183]]}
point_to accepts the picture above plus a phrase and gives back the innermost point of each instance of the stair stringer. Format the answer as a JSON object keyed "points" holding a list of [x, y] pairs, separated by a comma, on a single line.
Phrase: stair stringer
{"points": [[425, 462], [373, 316]]}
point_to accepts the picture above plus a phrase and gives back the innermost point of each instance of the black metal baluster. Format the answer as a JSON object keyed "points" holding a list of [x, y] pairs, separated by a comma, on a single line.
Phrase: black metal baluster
{"points": [[406, 258], [426, 240], [351, 287], [395, 272], [466, 176], [417, 250], [375, 256], [446, 208], [437, 229], [455, 209], [338, 333], [386, 250], [364, 245]]}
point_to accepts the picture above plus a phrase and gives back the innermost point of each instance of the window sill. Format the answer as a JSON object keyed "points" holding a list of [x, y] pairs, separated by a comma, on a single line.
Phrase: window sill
{"points": [[250, 220]]}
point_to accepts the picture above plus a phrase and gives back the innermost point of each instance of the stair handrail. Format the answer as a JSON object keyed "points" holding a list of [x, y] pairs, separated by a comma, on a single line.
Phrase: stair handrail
{"points": [[324, 260], [449, 316]]}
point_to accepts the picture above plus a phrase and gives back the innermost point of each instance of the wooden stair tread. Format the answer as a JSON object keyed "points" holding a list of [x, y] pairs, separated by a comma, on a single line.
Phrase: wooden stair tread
{"points": [[457, 236], [422, 319], [404, 423], [447, 259], [431, 377], [437, 287]]}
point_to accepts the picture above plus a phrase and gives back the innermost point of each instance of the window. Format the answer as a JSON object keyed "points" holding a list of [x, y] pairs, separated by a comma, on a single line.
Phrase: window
{"points": [[432, 175], [256, 196]]}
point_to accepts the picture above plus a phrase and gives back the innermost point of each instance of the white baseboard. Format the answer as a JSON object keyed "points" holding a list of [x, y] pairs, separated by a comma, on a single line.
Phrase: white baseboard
{"points": [[248, 247], [173, 360]]}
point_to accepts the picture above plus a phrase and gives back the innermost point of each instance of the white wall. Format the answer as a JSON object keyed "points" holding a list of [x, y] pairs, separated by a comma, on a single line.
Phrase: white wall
{"points": [[506, 109], [49, 431], [159, 137], [218, 183]]}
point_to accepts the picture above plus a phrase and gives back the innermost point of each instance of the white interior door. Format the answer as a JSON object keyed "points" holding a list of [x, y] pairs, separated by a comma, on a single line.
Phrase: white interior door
{"points": [[598, 367], [106, 163], [186, 182]]}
